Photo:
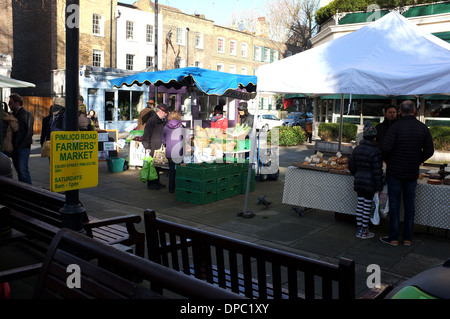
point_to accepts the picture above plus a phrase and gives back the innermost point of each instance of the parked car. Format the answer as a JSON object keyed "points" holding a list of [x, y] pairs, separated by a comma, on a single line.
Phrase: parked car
{"points": [[298, 119], [267, 122]]}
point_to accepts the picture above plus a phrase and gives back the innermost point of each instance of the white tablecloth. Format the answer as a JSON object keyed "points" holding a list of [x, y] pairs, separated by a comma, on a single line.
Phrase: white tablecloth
{"points": [[334, 192]]}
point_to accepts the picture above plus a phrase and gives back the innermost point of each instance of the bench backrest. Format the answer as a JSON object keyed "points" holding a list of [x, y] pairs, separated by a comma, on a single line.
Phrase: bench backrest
{"points": [[77, 266], [243, 267], [32, 200]]}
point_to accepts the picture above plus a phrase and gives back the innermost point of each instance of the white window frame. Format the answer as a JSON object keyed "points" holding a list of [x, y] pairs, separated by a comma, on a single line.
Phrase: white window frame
{"points": [[147, 60], [100, 54], [98, 20], [244, 50], [129, 66], [220, 49], [244, 70], [199, 40], [198, 64], [129, 30], [257, 53], [233, 47], [232, 69], [267, 55], [181, 36], [220, 67], [149, 33]]}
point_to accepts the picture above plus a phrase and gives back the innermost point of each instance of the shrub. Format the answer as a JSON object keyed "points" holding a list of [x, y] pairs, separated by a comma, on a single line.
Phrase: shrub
{"points": [[288, 135], [330, 132], [441, 137]]}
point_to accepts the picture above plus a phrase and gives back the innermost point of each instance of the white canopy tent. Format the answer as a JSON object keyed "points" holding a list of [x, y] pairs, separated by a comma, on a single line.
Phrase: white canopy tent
{"points": [[390, 56], [6, 82]]}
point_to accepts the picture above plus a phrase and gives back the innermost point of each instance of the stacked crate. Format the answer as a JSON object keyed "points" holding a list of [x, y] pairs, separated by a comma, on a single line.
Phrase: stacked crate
{"points": [[208, 182]]}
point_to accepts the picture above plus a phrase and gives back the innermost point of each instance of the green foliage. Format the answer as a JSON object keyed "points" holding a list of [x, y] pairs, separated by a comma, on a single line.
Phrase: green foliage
{"points": [[330, 132], [441, 137], [288, 136], [326, 12]]}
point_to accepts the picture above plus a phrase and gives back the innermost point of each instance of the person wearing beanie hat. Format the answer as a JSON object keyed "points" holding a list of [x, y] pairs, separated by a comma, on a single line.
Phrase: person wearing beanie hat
{"points": [[366, 165]]}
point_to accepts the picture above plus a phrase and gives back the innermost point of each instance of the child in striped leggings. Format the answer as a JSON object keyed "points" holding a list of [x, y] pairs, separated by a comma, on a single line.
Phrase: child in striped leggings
{"points": [[366, 165]]}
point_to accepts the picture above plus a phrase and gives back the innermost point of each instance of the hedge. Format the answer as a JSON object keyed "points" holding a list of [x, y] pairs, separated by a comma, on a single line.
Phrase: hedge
{"points": [[288, 136]]}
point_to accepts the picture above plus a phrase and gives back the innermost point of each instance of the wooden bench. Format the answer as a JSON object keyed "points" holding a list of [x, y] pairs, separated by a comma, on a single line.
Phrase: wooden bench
{"points": [[35, 208], [248, 269], [99, 271]]}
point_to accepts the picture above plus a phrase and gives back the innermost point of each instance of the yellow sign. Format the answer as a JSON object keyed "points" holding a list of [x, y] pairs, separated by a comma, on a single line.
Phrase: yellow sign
{"points": [[73, 160]]}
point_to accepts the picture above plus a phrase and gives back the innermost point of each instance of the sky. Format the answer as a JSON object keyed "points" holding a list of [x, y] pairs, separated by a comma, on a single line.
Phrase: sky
{"points": [[220, 11]]}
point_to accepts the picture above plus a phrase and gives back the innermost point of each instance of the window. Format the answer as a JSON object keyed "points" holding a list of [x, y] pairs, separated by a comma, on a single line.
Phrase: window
{"points": [[148, 61], [276, 55], [232, 47], [244, 50], [97, 24], [149, 34], [257, 56], [232, 69], [220, 45], [180, 36], [198, 64], [130, 30], [130, 62], [97, 58], [244, 70], [199, 40], [267, 55], [220, 67], [178, 63]]}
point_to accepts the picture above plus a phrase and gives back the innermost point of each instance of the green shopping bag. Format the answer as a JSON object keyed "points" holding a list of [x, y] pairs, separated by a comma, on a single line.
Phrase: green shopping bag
{"points": [[148, 172]]}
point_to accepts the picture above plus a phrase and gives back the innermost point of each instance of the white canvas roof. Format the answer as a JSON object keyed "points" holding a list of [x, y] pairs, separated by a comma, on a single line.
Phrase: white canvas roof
{"points": [[390, 56], [6, 82]]}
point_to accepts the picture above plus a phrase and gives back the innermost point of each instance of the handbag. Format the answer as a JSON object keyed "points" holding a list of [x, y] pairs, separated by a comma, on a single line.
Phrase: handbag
{"points": [[159, 157], [148, 171], [375, 219], [46, 149], [384, 202]]}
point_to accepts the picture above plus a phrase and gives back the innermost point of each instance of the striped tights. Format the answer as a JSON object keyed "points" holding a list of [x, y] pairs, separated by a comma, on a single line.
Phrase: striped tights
{"points": [[363, 212]]}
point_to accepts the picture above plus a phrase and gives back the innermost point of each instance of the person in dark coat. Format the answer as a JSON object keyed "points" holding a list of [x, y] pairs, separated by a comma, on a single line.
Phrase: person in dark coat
{"points": [[244, 116], [366, 165], [407, 144], [173, 137], [151, 139], [390, 117]]}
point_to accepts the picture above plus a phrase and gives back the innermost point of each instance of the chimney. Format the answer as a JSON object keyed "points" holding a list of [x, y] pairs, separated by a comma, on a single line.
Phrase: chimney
{"points": [[262, 27]]}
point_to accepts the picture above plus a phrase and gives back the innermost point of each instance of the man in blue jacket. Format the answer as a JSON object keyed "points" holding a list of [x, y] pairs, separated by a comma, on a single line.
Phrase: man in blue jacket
{"points": [[22, 138], [407, 144]]}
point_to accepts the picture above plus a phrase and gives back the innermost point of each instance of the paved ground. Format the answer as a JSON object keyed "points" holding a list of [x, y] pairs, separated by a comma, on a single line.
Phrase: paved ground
{"points": [[317, 234]]}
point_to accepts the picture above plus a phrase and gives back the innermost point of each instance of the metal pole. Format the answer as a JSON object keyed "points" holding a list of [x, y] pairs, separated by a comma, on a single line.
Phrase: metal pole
{"points": [[156, 47], [72, 212], [341, 122]]}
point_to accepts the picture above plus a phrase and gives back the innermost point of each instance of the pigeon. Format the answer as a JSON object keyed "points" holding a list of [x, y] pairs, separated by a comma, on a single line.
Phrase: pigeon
{"points": [[262, 201], [300, 211]]}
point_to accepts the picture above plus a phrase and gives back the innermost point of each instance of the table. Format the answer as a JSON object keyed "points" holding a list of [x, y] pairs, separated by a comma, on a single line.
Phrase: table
{"points": [[334, 192]]}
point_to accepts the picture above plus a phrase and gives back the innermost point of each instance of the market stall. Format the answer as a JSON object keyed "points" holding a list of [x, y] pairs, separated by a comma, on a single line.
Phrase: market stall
{"points": [[332, 190], [209, 145]]}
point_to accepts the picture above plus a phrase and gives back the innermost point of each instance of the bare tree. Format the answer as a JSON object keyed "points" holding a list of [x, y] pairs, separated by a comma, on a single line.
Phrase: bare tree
{"points": [[292, 22]]}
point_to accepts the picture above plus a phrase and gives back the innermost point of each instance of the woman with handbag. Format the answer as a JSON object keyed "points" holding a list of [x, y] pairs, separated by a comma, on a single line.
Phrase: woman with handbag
{"points": [[173, 138], [151, 140]]}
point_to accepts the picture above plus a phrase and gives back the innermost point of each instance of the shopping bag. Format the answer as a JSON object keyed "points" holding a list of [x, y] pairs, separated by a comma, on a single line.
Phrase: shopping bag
{"points": [[375, 219], [148, 172], [159, 157], [384, 202], [46, 149]]}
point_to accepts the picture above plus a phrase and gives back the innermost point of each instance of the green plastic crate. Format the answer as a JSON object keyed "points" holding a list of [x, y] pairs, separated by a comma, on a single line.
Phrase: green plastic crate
{"points": [[243, 182], [203, 171], [228, 191], [242, 145], [198, 198], [230, 180], [197, 185]]}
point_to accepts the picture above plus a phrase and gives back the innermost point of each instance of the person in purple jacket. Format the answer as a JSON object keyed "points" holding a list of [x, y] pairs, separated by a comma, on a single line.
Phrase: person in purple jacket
{"points": [[173, 138]]}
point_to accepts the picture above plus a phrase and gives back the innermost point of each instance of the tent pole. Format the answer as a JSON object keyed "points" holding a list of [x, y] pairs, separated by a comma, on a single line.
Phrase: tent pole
{"points": [[341, 121], [246, 213]]}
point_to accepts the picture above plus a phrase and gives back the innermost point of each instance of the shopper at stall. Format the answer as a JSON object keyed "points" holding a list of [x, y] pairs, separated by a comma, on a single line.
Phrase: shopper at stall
{"points": [[173, 138], [151, 139], [94, 119], [407, 144], [390, 117], [145, 114], [366, 165], [10, 126], [218, 120], [244, 116], [22, 138]]}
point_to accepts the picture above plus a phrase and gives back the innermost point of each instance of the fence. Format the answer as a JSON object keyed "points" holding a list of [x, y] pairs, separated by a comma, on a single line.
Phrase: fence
{"points": [[39, 107]]}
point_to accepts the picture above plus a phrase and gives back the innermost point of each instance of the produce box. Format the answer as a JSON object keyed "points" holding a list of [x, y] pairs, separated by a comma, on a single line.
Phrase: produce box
{"points": [[230, 180]]}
